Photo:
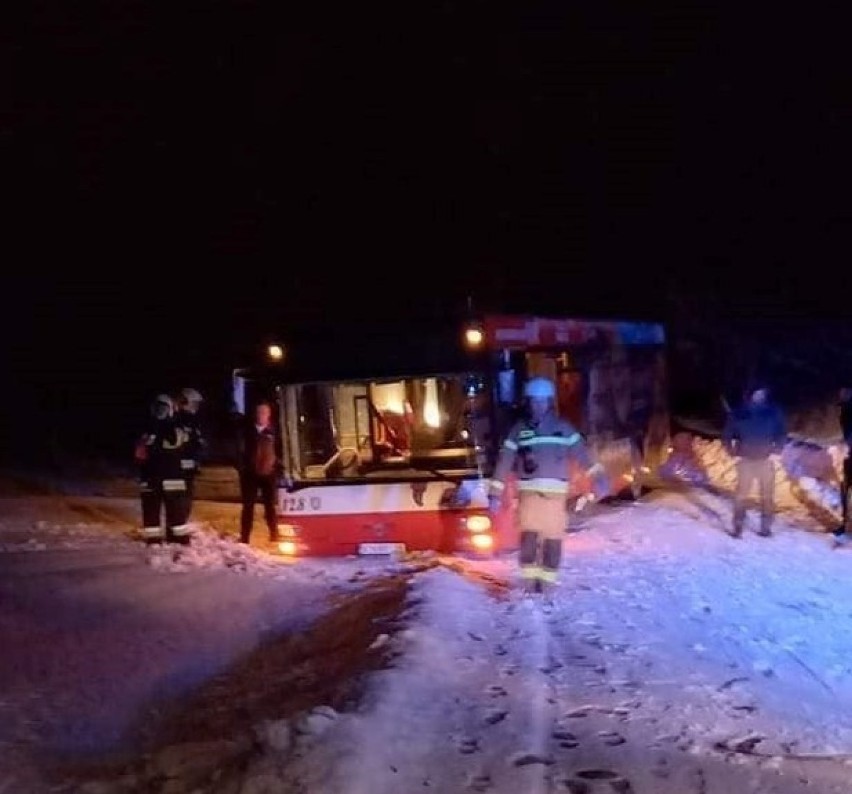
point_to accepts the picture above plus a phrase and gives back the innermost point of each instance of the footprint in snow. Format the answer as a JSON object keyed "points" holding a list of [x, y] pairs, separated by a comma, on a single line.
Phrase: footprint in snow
{"points": [[495, 691], [616, 781], [551, 666], [481, 782], [611, 738], [566, 739], [500, 651], [495, 715], [466, 745], [661, 768], [573, 786], [527, 759]]}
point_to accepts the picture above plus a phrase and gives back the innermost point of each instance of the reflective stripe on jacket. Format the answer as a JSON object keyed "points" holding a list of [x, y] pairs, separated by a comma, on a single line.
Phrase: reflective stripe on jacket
{"points": [[539, 454]]}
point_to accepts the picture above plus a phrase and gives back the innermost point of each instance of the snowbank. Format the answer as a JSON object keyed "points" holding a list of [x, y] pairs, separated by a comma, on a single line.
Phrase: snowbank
{"points": [[807, 476], [208, 550]]}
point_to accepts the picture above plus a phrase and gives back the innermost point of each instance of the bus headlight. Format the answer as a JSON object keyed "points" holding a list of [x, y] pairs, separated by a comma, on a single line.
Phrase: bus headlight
{"points": [[481, 542], [288, 548], [478, 523]]}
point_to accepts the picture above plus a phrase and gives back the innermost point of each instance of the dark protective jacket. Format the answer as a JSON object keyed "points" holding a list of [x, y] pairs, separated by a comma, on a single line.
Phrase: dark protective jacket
{"points": [[754, 431], [193, 449], [160, 449]]}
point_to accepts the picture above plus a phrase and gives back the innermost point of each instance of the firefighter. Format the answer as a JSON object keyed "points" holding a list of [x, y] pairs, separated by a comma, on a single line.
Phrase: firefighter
{"points": [[186, 417], [162, 482], [539, 449]]}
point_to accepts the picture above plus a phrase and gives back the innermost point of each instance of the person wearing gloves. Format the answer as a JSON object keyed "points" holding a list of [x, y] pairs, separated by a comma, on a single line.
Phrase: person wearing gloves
{"points": [[539, 449], [754, 434]]}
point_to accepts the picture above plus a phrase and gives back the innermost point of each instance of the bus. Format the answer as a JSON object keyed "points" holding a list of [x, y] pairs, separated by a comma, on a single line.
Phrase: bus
{"points": [[389, 437]]}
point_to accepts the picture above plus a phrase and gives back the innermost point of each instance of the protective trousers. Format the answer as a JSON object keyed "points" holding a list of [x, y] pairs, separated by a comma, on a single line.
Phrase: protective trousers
{"points": [[543, 519], [164, 495], [749, 472], [182, 528]]}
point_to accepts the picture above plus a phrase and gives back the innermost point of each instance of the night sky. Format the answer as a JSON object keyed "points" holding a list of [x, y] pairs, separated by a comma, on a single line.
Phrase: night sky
{"points": [[187, 179]]}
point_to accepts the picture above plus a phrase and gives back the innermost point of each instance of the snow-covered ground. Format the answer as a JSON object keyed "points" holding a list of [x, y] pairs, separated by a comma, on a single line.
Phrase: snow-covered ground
{"points": [[95, 626], [672, 658]]}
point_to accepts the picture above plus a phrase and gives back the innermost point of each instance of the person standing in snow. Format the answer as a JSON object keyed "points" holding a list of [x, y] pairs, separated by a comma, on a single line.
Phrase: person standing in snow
{"points": [[753, 435], [539, 449], [162, 482], [186, 417], [841, 534], [258, 465]]}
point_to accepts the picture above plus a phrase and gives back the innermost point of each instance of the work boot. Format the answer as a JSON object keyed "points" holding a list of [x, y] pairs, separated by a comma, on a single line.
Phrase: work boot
{"points": [[736, 532], [532, 586]]}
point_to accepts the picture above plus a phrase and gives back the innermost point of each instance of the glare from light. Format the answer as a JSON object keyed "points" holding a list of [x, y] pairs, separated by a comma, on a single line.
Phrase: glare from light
{"points": [[275, 352], [482, 542], [478, 523], [473, 337], [431, 409], [389, 397], [288, 548]]}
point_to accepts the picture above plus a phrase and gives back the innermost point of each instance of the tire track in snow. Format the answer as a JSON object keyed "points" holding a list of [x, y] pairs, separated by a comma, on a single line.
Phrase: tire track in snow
{"points": [[426, 728], [540, 710]]}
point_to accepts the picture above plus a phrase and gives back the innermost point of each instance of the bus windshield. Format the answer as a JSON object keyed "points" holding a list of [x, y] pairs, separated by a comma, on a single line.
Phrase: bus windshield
{"points": [[398, 429]]}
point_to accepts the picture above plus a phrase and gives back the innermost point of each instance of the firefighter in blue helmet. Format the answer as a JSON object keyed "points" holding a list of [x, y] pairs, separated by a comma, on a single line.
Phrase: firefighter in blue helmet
{"points": [[162, 482], [539, 449]]}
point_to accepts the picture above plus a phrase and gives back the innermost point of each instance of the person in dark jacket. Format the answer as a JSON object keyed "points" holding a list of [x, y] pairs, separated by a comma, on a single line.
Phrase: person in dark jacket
{"points": [[841, 534], [258, 465], [162, 483], [752, 434], [186, 417]]}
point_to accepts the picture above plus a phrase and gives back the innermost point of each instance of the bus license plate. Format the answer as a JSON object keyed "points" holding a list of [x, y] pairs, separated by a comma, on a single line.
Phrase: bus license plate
{"points": [[381, 548]]}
